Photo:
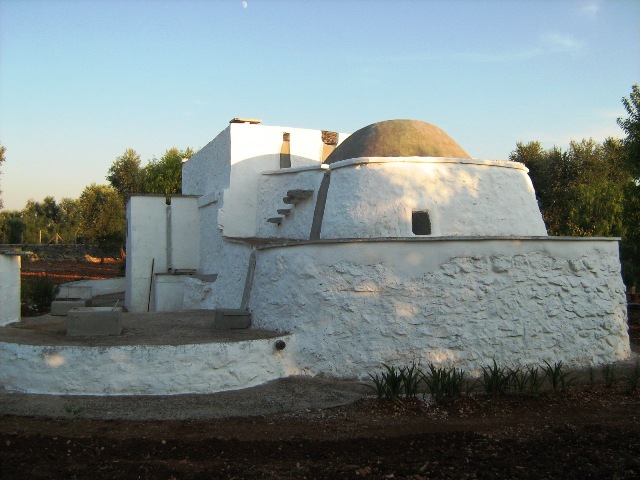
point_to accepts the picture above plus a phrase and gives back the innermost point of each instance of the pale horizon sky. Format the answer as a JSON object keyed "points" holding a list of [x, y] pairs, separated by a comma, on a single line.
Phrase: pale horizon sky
{"points": [[82, 81]]}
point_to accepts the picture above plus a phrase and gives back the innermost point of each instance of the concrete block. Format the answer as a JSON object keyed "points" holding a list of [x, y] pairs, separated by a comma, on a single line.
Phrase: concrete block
{"points": [[62, 307], [231, 319], [91, 321]]}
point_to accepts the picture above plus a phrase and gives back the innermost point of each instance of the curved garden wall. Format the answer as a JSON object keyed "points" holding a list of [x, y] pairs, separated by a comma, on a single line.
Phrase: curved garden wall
{"points": [[353, 305]]}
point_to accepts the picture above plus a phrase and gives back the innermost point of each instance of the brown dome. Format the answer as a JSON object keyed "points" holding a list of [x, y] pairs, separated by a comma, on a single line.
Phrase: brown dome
{"points": [[398, 138]]}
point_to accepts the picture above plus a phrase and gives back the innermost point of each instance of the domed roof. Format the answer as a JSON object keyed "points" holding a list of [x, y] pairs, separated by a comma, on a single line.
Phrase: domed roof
{"points": [[398, 138]]}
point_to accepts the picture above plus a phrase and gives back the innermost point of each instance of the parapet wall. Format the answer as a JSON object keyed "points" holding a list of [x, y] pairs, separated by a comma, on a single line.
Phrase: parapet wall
{"points": [[454, 301], [9, 288]]}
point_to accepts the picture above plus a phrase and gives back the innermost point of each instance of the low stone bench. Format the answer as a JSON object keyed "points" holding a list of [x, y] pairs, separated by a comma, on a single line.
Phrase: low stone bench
{"points": [[62, 307], [89, 321]]}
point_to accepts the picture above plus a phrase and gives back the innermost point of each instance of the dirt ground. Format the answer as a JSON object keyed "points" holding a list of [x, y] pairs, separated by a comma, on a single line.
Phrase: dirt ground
{"points": [[591, 431], [65, 272]]}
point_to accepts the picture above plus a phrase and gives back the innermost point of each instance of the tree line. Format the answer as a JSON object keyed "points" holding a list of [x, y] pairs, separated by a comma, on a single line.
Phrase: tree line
{"points": [[591, 189], [97, 217]]}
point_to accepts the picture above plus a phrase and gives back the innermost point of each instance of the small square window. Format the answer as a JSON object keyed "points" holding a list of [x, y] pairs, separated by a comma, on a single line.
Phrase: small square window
{"points": [[420, 223]]}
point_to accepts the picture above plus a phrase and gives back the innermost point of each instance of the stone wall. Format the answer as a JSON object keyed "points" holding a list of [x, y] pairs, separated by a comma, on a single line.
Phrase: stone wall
{"points": [[462, 302], [60, 252]]}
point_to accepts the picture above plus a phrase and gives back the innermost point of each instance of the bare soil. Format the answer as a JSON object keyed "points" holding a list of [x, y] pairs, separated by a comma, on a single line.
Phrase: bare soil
{"points": [[65, 272], [591, 431]]}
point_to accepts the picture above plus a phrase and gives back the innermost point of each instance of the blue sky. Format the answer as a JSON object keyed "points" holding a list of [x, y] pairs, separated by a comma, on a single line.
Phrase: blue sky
{"points": [[81, 81]]}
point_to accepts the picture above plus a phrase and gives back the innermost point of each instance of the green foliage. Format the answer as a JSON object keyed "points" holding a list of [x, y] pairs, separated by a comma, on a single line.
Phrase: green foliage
{"points": [[443, 383], [102, 213], [410, 380], [12, 227], [495, 380], [589, 190], [558, 378], [50, 222], [390, 384], [125, 174], [164, 176], [534, 379], [631, 126], [580, 192], [37, 293]]}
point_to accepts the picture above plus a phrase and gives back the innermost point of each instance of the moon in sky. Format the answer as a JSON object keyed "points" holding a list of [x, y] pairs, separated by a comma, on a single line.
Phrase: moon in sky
{"points": [[245, 4]]}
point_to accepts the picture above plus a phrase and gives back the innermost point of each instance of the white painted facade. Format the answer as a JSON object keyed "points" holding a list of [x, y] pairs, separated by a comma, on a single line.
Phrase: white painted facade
{"points": [[161, 238], [9, 287], [375, 197], [341, 270], [142, 369], [452, 301]]}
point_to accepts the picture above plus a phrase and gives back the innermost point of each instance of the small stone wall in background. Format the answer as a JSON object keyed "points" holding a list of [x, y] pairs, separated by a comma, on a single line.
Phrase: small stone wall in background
{"points": [[60, 253]]}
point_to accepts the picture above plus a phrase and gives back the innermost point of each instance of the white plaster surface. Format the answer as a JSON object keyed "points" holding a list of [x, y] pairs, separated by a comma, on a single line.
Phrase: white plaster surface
{"points": [[353, 306], [9, 288], [273, 188], [228, 259], [87, 289], [374, 197], [147, 226], [168, 292], [143, 369], [254, 149], [208, 170], [185, 241]]}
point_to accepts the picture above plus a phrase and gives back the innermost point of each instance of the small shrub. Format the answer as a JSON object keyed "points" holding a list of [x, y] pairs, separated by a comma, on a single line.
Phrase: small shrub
{"points": [[390, 383], [444, 383], [378, 385], [557, 377], [495, 380], [535, 380], [37, 293], [410, 380], [518, 380]]}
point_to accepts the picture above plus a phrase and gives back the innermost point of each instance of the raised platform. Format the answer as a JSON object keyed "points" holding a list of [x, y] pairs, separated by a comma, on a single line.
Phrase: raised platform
{"points": [[156, 354]]}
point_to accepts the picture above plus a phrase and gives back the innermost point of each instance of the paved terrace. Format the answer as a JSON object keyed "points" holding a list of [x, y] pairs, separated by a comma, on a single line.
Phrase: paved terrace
{"points": [[175, 328]]}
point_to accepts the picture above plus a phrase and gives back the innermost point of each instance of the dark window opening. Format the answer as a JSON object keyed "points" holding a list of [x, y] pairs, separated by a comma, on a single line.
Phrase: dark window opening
{"points": [[420, 223]]}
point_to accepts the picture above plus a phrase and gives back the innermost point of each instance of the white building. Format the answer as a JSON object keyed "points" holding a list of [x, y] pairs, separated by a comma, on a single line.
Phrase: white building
{"points": [[390, 245]]}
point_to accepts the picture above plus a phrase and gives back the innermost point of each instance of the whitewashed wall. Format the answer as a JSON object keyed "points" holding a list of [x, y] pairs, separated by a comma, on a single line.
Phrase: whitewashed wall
{"points": [[9, 288], [374, 197], [462, 302], [273, 188], [142, 369], [147, 226], [255, 149], [209, 169]]}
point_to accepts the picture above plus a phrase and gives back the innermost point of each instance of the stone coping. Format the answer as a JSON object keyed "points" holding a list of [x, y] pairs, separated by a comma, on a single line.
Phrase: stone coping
{"points": [[308, 168], [427, 239], [14, 253], [352, 162]]}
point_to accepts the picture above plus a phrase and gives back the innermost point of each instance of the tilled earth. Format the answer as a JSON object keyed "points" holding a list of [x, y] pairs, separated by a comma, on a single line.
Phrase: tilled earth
{"points": [[590, 431]]}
